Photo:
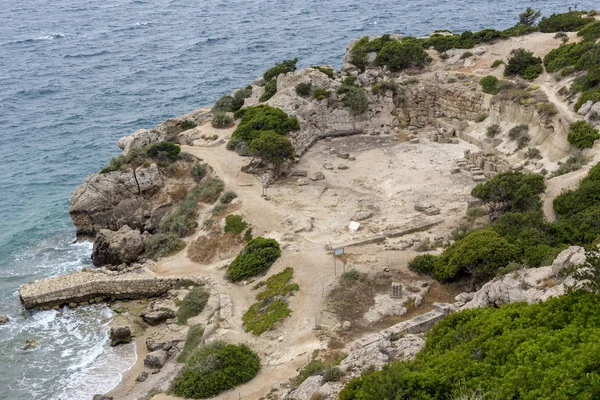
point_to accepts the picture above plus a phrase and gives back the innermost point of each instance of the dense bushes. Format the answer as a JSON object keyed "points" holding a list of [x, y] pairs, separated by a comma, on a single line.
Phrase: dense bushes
{"points": [[570, 21], [356, 99], [221, 120], [261, 118], [233, 103], [524, 64], [257, 257], [198, 172], [280, 68], [214, 368], [519, 351], [272, 148], [192, 304], [261, 133], [270, 90], [272, 306], [512, 191], [582, 135], [490, 84], [161, 152], [398, 55]]}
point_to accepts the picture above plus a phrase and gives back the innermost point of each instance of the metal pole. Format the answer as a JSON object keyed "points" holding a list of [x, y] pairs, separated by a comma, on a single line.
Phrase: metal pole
{"points": [[334, 267]]}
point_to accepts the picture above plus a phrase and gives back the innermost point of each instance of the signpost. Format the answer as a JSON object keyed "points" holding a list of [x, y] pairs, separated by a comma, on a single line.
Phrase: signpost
{"points": [[337, 253]]}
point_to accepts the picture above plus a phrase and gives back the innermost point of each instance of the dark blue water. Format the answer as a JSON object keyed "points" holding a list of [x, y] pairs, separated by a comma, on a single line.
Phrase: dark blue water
{"points": [[77, 75]]}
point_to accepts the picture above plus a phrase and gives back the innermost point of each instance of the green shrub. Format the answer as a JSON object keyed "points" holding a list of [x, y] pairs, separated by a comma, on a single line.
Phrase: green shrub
{"points": [[516, 351], [221, 120], [160, 150], [573, 163], [546, 109], [115, 164], [257, 257], [593, 95], [227, 197], [492, 131], [314, 367], [423, 264], [525, 64], [272, 148], [562, 36], [218, 208], [210, 190], [570, 21], [192, 304], [497, 63], [327, 71], [248, 235], [332, 374], [303, 89], [590, 32], [533, 153], [272, 306], [349, 81], [512, 191], [192, 341], [261, 118], [270, 90], [398, 55], [224, 104], [233, 103], [582, 135], [566, 55], [490, 84], [239, 146], [479, 254], [352, 275], [187, 124], [465, 55], [234, 224], [281, 68], [356, 99], [162, 245], [198, 172], [384, 86], [519, 133], [215, 368], [321, 94]]}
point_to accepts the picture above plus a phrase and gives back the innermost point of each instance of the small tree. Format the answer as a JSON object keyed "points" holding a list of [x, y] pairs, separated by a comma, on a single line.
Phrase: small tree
{"points": [[529, 17], [525, 64], [272, 148], [511, 191]]}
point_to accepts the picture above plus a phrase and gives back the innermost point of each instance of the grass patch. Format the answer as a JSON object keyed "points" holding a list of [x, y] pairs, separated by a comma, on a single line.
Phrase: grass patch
{"points": [[234, 224], [192, 304], [192, 341], [272, 306]]}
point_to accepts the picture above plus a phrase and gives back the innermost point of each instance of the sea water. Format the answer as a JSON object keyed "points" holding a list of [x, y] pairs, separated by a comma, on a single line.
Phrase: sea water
{"points": [[76, 75]]}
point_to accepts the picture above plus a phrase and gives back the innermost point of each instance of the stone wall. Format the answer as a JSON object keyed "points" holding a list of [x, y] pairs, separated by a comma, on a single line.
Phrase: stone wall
{"points": [[93, 286]]}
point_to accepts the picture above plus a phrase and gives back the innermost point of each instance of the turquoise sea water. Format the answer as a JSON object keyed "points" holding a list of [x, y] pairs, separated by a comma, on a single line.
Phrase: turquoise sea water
{"points": [[77, 75]]}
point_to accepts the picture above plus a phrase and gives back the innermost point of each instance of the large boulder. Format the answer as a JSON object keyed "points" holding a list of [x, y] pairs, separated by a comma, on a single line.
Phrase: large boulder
{"points": [[119, 335], [115, 199], [156, 359], [571, 257], [121, 247], [3, 319], [142, 138]]}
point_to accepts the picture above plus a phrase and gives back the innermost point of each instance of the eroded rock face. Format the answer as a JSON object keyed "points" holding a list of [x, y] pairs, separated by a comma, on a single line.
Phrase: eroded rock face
{"points": [[115, 199], [113, 248]]}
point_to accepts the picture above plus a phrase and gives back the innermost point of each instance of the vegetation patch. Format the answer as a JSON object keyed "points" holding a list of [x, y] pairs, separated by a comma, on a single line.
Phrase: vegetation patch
{"points": [[355, 99], [221, 120], [192, 304], [257, 257], [280, 68], [515, 351], [573, 163], [163, 153], [570, 21], [492, 131], [256, 120], [270, 90], [524, 64], [233, 103], [162, 245], [234, 224], [199, 171], [519, 134], [327, 71], [227, 197], [215, 368], [582, 135], [272, 306], [272, 149], [192, 341], [490, 84], [304, 89], [320, 94]]}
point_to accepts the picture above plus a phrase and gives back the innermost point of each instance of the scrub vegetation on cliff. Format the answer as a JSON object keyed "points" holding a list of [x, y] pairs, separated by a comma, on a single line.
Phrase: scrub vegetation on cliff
{"points": [[518, 351], [256, 258], [519, 233]]}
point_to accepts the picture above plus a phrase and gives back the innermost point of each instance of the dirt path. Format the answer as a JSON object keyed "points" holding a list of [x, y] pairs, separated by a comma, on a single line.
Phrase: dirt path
{"points": [[559, 184], [550, 90]]}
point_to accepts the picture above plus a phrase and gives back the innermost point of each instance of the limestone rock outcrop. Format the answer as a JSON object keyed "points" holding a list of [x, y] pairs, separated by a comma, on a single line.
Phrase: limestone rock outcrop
{"points": [[113, 248], [115, 199], [119, 335]]}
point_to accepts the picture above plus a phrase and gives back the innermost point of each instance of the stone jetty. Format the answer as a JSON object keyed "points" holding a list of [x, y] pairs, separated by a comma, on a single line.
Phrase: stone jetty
{"points": [[92, 286]]}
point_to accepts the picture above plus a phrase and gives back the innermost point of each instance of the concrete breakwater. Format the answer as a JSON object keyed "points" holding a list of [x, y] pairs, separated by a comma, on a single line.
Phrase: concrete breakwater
{"points": [[94, 286]]}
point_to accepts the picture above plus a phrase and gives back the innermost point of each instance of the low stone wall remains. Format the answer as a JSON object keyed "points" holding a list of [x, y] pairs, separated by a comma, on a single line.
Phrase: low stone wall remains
{"points": [[93, 286]]}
